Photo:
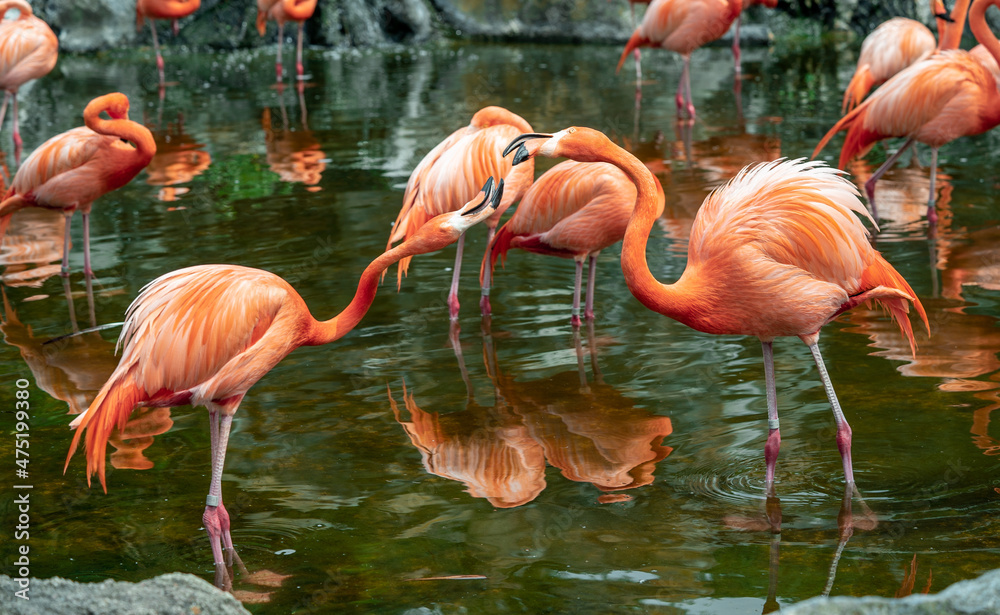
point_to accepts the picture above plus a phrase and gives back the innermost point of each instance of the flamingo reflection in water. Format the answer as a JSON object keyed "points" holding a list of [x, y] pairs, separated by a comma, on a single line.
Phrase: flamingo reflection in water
{"points": [[179, 158], [590, 432], [72, 369], [294, 154]]}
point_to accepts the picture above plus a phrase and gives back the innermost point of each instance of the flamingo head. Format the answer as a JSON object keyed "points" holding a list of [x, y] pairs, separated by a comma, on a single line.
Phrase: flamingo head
{"points": [[115, 104], [445, 229], [580, 144]]}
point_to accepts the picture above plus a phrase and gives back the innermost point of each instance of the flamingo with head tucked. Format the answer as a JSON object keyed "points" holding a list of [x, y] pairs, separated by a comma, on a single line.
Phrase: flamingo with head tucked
{"points": [[71, 170], [778, 251]]}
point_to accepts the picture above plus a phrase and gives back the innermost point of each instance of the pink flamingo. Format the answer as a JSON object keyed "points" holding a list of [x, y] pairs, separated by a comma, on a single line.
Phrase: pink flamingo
{"points": [[28, 50]]}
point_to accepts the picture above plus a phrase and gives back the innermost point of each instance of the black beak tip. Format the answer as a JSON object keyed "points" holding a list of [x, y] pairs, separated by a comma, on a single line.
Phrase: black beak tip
{"points": [[945, 17], [521, 155], [488, 198], [495, 201]]}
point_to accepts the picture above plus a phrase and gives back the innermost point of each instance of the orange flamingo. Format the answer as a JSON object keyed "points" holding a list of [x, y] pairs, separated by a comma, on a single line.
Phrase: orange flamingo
{"points": [[891, 47], [946, 96], [282, 11], [685, 25], [28, 50], [71, 170], [204, 335], [162, 9], [447, 177], [574, 210], [778, 251]]}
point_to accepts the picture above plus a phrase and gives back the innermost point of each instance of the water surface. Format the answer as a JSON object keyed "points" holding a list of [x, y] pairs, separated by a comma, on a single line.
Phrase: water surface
{"points": [[618, 470]]}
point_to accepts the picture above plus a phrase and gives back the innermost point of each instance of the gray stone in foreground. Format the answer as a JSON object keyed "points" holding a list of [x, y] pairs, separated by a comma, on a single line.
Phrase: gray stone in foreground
{"points": [[975, 597], [168, 594]]}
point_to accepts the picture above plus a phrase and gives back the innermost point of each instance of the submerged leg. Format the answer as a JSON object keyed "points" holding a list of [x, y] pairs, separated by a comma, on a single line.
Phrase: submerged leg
{"points": [[588, 312], [299, 70], [484, 298], [156, 48], [689, 104], [281, 36], [65, 264], [456, 274], [216, 518], [870, 184], [843, 429], [773, 445], [87, 271], [736, 47], [575, 318], [932, 217]]}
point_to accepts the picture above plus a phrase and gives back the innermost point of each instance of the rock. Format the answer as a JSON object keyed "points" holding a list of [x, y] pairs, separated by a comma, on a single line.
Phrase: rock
{"points": [[89, 25], [974, 597], [169, 594]]}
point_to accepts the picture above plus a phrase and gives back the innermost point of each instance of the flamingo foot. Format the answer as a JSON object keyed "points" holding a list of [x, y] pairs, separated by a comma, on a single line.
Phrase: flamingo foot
{"points": [[575, 321], [679, 100], [453, 306], [932, 216], [588, 314], [771, 450], [17, 139], [484, 305], [299, 69], [277, 70], [844, 445], [690, 111], [216, 522]]}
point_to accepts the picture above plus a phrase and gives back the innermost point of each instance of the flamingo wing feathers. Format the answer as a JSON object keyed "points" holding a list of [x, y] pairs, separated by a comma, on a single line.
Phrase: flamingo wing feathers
{"points": [[28, 50], [60, 154], [185, 326]]}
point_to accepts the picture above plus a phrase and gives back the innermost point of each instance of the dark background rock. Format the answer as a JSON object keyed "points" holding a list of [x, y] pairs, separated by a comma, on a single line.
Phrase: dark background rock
{"points": [[90, 25]]}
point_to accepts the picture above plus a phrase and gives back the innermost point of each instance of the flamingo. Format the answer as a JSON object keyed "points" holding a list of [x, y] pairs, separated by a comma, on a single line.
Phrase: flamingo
{"points": [[162, 9], [685, 25], [949, 95], [778, 251], [28, 50], [447, 176], [574, 210], [71, 170], [204, 335], [282, 11], [891, 47]]}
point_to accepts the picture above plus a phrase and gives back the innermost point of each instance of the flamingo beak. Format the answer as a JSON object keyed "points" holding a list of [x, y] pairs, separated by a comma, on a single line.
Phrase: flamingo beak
{"points": [[945, 17], [523, 153], [489, 200]]}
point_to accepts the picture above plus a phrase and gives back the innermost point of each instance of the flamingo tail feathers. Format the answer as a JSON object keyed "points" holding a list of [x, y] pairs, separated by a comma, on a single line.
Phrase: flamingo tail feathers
{"points": [[859, 139], [634, 42], [861, 83], [110, 409], [892, 292]]}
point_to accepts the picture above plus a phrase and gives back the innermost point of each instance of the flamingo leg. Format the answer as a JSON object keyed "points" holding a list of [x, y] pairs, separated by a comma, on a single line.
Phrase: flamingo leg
{"points": [[456, 274], [484, 298], [736, 47], [843, 429], [299, 70], [17, 131], [773, 445], [156, 48], [3, 107], [575, 318], [281, 36], [932, 217], [688, 101], [870, 184], [65, 261], [679, 97], [216, 517], [635, 53], [87, 271], [588, 312]]}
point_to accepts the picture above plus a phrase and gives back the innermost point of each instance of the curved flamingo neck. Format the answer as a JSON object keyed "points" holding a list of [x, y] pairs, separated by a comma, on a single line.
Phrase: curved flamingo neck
{"points": [[667, 299], [953, 32], [123, 128], [23, 8], [340, 325], [982, 32]]}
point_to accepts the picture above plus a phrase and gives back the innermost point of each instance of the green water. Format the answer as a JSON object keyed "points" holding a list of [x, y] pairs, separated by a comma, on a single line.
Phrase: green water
{"points": [[333, 503]]}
